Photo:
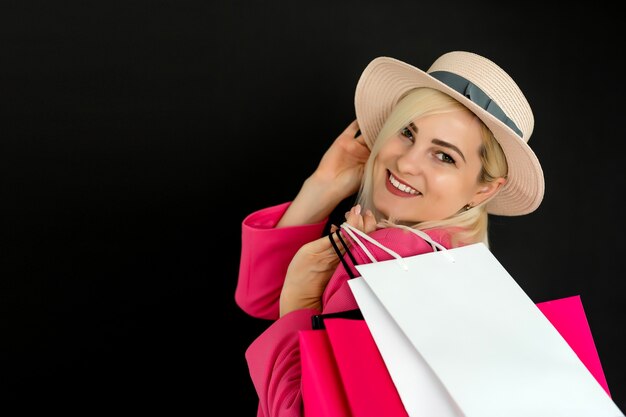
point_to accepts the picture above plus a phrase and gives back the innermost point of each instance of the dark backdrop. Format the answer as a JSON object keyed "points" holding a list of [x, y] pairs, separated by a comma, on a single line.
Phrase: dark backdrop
{"points": [[136, 136]]}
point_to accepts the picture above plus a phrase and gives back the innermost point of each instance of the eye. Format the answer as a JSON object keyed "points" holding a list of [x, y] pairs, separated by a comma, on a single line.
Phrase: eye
{"points": [[444, 157], [406, 132]]}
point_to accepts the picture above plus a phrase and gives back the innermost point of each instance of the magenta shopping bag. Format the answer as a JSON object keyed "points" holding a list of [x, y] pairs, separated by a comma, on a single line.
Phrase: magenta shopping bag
{"points": [[568, 316], [343, 374], [322, 388], [369, 389]]}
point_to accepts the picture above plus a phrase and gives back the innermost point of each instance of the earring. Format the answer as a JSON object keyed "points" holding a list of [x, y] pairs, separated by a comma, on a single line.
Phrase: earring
{"points": [[467, 206]]}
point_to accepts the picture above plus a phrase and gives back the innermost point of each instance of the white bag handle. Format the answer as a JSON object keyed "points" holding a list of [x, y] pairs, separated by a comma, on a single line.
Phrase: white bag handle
{"points": [[353, 231], [434, 244]]}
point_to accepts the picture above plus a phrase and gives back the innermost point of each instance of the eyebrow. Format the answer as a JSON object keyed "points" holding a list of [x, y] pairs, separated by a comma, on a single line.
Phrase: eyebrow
{"points": [[440, 142]]}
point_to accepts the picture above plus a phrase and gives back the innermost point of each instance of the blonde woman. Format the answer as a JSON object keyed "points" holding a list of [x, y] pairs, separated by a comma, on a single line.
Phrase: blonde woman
{"points": [[438, 150]]}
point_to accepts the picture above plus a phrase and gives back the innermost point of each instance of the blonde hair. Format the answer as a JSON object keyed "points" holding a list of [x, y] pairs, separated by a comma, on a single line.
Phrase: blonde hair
{"points": [[464, 227]]}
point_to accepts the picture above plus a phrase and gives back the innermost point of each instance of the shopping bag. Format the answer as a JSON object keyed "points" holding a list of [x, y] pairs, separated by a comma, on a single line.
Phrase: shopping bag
{"points": [[454, 320], [419, 388], [368, 386], [343, 374], [322, 390], [568, 317]]}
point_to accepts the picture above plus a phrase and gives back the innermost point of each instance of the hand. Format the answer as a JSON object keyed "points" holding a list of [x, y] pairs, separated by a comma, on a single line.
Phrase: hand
{"points": [[342, 165], [314, 264], [307, 276], [337, 176]]}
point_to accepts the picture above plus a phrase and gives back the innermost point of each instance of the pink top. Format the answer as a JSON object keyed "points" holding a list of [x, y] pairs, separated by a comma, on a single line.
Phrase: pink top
{"points": [[274, 358]]}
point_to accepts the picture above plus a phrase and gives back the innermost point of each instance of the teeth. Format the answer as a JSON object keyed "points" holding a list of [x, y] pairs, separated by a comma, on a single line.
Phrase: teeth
{"points": [[400, 186]]}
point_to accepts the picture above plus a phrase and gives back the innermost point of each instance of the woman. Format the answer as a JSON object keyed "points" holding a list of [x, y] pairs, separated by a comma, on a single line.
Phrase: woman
{"points": [[436, 150]]}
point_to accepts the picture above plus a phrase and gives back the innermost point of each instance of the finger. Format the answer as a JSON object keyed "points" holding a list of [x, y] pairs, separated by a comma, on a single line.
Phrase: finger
{"points": [[354, 211], [354, 217], [352, 129], [369, 222], [360, 140], [359, 147]]}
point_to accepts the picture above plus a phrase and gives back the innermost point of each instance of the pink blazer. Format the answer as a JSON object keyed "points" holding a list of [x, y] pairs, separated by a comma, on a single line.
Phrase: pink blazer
{"points": [[273, 358]]}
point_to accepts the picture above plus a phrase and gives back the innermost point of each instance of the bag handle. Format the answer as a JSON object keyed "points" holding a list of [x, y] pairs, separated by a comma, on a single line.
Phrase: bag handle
{"points": [[340, 255], [353, 231]]}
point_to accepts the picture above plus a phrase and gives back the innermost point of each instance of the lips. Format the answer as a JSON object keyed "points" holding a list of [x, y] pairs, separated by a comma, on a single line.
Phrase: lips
{"points": [[399, 188]]}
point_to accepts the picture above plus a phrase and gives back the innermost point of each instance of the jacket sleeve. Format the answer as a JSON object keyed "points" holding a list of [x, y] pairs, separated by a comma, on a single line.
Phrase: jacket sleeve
{"points": [[266, 252], [274, 364]]}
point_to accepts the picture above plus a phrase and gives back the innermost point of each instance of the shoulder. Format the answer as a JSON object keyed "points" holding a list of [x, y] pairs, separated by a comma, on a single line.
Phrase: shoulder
{"points": [[402, 236], [405, 242]]}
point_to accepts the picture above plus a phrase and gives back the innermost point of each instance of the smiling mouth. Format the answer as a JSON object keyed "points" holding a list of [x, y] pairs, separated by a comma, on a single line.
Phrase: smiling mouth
{"points": [[397, 185]]}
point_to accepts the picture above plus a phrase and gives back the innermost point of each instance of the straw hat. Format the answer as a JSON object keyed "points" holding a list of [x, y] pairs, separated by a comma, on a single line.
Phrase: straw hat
{"points": [[484, 88]]}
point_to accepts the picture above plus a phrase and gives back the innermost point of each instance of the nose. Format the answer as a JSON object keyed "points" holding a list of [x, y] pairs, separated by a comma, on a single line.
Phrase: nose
{"points": [[411, 162]]}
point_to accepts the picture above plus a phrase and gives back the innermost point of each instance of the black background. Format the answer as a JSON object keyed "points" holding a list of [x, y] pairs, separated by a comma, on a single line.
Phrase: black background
{"points": [[137, 135]]}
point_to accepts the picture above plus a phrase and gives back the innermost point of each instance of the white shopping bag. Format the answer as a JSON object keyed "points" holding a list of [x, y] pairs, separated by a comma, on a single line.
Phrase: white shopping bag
{"points": [[456, 321]]}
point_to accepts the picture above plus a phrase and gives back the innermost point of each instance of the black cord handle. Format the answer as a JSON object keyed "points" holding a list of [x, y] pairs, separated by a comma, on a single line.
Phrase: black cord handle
{"points": [[340, 256]]}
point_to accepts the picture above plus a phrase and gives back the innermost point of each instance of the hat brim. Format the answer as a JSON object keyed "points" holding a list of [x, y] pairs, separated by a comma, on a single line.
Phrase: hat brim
{"points": [[385, 80]]}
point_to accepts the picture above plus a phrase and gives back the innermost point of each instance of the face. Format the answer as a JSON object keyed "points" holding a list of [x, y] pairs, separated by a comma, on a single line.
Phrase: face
{"points": [[429, 170]]}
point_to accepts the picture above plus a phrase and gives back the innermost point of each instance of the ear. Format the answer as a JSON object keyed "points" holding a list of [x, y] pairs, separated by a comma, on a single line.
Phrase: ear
{"points": [[486, 191]]}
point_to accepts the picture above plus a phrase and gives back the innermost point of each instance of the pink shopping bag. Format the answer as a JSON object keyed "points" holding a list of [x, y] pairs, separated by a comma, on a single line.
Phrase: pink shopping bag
{"points": [[322, 388], [343, 374], [568, 316]]}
